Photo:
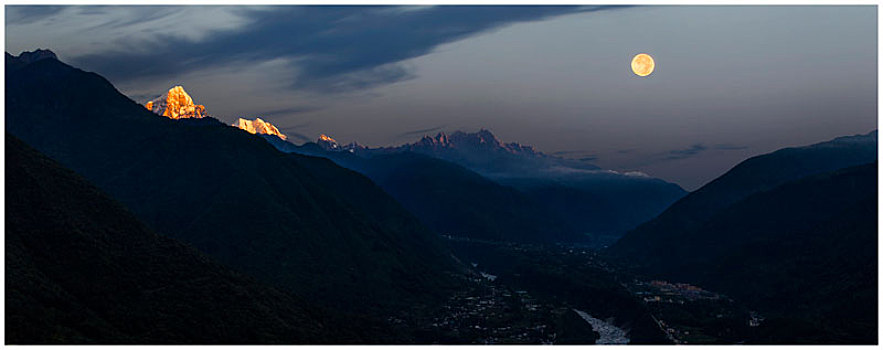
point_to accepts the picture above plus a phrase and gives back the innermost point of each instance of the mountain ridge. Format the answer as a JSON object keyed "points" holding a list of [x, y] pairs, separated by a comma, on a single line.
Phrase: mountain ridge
{"points": [[753, 175], [792, 233], [81, 269], [589, 205], [292, 228], [259, 126]]}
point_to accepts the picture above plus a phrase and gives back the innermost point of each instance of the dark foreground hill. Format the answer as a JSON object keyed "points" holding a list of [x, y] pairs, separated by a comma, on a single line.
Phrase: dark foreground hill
{"points": [[803, 251], [82, 269], [650, 241], [279, 217]]}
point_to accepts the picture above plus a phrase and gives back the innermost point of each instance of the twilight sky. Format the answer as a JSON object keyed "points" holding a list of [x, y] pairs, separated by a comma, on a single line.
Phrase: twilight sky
{"points": [[731, 81]]}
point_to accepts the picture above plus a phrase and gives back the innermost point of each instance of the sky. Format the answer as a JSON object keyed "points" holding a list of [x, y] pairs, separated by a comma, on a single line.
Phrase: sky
{"points": [[730, 82]]}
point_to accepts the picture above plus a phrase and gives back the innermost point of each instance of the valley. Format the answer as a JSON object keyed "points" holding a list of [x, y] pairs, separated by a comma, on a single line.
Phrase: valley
{"points": [[459, 238], [649, 311]]}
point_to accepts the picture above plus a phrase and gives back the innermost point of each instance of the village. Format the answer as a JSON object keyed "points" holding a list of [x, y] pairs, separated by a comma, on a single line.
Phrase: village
{"points": [[688, 314]]}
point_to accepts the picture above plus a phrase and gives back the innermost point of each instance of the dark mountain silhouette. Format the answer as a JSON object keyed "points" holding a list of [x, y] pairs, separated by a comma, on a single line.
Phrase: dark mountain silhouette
{"points": [[801, 251], [82, 269], [457, 201], [282, 218], [806, 250], [484, 153], [451, 199], [600, 205], [652, 239], [558, 199], [593, 201]]}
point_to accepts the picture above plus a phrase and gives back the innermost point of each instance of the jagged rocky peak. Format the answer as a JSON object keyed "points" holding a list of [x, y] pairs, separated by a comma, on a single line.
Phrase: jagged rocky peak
{"points": [[176, 104], [36, 55], [259, 126], [483, 139], [354, 146], [327, 142], [28, 57], [440, 140]]}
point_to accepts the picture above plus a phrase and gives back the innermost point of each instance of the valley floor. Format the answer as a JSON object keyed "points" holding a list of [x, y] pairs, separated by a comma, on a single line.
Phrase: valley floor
{"points": [[533, 294]]}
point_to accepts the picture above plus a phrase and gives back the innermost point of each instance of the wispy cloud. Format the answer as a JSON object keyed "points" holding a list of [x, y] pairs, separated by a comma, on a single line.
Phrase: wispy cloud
{"points": [[26, 14], [298, 136], [75, 31], [580, 155], [728, 147], [334, 48], [288, 111], [565, 153], [698, 148], [421, 132], [687, 152]]}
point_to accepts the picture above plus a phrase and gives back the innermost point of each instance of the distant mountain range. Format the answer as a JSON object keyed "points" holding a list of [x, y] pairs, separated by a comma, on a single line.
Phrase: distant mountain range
{"points": [[502, 191], [456, 201], [156, 223], [282, 218], [792, 232], [484, 153]]}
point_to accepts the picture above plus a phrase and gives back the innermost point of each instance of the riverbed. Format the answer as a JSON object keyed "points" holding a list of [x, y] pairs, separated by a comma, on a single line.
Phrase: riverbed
{"points": [[610, 334]]}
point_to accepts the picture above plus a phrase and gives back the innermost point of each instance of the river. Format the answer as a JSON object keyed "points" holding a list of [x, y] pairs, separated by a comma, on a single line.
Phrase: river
{"points": [[610, 334]]}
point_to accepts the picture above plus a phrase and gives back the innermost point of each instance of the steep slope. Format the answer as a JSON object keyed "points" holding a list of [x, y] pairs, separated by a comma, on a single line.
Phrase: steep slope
{"points": [[81, 269], [806, 250], [176, 104], [259, 126], [651, 242], [802, 252], [484, 153], [599, 204], [602, 206], [578, 201], [449, 198], [231, 194], [454, 200]]}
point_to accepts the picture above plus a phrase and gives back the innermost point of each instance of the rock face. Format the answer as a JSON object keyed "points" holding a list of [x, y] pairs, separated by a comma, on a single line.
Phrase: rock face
{"points": [[483, 140], [327, 143], [259, 126], [176, 104], [36, 55], [486, 154], [28, 57]]}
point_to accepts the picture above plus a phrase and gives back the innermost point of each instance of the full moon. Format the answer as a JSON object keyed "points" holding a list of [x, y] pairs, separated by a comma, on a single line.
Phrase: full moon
{"points": [[643, 64]]}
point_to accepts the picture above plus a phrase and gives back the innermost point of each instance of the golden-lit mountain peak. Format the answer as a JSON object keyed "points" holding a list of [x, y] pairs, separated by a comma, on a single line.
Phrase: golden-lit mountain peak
{"points": [[176, 104], [259, 126], [326, 138]]}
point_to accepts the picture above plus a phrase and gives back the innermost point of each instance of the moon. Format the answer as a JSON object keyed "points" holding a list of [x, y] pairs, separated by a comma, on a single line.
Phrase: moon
{"points": [[643, 64]]}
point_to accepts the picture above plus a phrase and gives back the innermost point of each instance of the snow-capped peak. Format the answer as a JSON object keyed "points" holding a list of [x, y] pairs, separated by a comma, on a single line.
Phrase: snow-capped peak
{"points": [[176, 104], [259, 126], [327, 142]]}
